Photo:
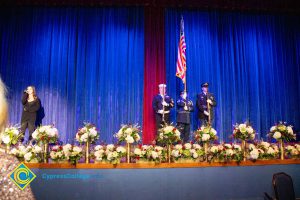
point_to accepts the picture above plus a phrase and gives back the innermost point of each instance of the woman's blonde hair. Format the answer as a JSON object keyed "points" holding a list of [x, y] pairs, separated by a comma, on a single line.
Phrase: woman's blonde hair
{"points": [[3, 106]]}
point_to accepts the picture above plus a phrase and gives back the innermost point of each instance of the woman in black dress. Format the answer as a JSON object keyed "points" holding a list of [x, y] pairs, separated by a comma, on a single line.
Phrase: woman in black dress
{"points": [[31, 104]]}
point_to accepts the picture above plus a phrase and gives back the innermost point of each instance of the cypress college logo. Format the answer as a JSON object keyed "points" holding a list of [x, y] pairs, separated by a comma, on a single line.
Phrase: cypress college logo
{"points": [[22, 176]]}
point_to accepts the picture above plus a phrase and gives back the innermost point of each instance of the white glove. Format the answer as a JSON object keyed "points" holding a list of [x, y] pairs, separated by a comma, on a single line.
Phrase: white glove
{"points": [[160, 111], [184, 95], [164, 103], [209, 101], [206, 113]]}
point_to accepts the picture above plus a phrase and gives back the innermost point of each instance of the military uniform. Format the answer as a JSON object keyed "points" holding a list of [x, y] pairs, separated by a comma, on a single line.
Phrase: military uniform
{"points": [[202, 106], [159, 109], [184, 108]]}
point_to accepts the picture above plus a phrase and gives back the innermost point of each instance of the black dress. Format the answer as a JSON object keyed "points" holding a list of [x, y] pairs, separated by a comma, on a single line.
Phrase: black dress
{"points": [[29, 114]]}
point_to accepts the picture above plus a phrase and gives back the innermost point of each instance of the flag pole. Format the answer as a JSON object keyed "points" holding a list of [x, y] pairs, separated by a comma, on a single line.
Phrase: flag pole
{"points": [[185, 83]]}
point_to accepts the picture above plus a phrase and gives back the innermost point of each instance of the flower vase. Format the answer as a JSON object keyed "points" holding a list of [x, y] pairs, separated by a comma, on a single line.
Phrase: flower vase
{"points": [[7, 149], [169, 153], [187, 160], [33, 161], [281, 146], [62, 161], [144, 160], [206, 149], [244, 149], [102, 161], [128, 152], [45, 156], [21, 159], [87, 152]]}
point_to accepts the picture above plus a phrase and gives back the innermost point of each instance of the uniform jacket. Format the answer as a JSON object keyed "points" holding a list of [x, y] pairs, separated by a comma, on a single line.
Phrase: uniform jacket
{"points": [[183, 116], [202, 104]]}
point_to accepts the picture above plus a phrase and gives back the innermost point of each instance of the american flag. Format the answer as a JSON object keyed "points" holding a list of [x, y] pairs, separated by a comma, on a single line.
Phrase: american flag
{"points": [[181, 61]]}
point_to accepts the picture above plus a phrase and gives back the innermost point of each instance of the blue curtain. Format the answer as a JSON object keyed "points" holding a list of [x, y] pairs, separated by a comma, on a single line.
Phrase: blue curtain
{"points": [[252, 62], [86, 64]]}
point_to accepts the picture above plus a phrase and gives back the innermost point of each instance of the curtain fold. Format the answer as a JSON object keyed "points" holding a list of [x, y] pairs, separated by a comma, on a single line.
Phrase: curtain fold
{"points": [[154, 69]]}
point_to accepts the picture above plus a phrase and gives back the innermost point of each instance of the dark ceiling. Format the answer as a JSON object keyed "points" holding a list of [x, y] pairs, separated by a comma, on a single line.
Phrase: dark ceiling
{"points": [[288, 6]]}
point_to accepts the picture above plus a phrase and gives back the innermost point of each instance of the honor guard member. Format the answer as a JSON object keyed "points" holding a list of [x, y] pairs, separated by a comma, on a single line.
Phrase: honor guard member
{"points": [[205, 104], [184, 108], [162, 103]]}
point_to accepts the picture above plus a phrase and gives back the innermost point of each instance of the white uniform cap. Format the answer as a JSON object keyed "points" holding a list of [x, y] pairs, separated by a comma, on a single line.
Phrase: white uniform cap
{"points": [[162, 85]]}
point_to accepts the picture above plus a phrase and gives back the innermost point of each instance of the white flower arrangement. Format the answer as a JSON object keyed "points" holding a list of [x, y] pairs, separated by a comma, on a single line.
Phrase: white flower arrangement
{"points": [[11, 135], [188, 151], [99, 153], [19, 151], [57, 154], [109, 153], [225, 153], [153, 153], [128, 133], [29, 153], [205, 134], [114, 155], [243, 132], [88, 133], [253, 154], [168, 135], [71, 153], [292, 151], [45, 134], [263, 150], [282, 131]]}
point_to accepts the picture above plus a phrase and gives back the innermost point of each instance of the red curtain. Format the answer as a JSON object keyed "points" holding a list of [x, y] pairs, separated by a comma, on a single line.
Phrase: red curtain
{"points": [[154, 68]]}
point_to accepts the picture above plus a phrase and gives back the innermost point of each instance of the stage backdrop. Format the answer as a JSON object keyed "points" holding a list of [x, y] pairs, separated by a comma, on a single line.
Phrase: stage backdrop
{"points": [[250, 60], [95, 64], [86, 63]]}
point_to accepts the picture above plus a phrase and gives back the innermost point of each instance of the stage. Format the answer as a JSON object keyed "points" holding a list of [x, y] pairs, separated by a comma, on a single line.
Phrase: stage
{"points": [[103, 65], [101, 62], [247, 180]]}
